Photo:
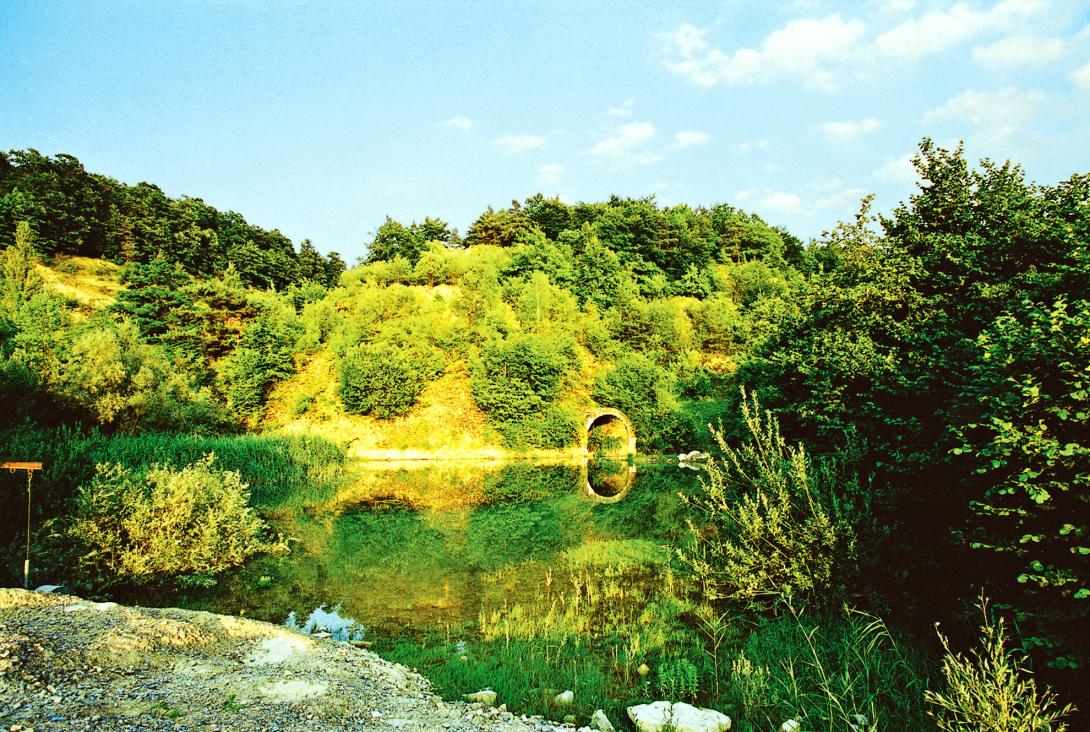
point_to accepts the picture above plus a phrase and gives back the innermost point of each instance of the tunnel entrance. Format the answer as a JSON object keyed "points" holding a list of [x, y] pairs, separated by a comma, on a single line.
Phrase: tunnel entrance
{"points": [[608, 432]]}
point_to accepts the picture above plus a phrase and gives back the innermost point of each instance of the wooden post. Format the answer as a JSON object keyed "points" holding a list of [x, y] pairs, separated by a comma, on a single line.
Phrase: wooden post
{"points": [[29, 467]]}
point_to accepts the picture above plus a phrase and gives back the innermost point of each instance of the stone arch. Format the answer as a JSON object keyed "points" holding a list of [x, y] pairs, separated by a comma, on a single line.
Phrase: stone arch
{"points": [[598, 416]]}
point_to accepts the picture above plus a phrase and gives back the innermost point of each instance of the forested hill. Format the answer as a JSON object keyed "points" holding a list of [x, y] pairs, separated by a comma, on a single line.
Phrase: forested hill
{"points": [[72, 211], [200, 321]]}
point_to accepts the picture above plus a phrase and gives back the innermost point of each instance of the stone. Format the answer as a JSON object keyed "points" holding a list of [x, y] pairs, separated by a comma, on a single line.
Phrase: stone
{"points": [[859, 723], [564, 698], [643, 670], [791, 725], [600, 721], [484, 696], [680, 717]]}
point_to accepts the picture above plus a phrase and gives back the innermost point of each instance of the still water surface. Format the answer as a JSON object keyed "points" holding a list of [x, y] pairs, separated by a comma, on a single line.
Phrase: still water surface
{"points": [[438, 546]]}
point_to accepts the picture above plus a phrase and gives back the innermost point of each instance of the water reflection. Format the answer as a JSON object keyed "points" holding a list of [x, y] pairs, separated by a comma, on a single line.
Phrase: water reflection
{"points": [[607, 480], [444, 546]]}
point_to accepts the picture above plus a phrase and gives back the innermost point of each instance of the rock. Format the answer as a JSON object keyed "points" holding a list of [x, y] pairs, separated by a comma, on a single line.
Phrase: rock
{"points": [[484, 696], [791, 725], [859, 723], [564, 699], [680, 717], [643, 670], [54, 589], [600, 721]]}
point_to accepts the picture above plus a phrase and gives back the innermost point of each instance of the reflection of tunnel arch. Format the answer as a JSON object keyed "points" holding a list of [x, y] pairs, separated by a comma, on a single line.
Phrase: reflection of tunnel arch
{"points": [[600, 492], [602, 416]]}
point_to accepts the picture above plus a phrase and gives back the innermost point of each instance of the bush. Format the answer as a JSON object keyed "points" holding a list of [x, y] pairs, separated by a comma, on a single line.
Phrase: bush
{"points": [[554, 429], [521, 376], [988, 691], [171, 522], [641, 389], [385, 381], [761, 532]]}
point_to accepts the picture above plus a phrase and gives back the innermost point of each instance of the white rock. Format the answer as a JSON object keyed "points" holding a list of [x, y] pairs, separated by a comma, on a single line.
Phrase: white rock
{"points": [[791, 725], [600, 721], [859, 723], [681, 716], [484, 696], [564, 698]]}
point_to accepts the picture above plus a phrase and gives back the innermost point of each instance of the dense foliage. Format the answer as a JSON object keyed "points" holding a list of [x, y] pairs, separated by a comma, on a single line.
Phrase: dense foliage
{"points": [[196, 520], [926, 372]]}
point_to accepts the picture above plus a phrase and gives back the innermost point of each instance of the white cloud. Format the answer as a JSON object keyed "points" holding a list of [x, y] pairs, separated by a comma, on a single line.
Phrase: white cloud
{"points": [[805, 47], [848, 131], [996, 115], [781, 202], [898, 170], [941, 29], [748, 147], [461, 123], [1015, 51], [895, 7], [767, 199], [627, 144], [518, 144], [1081, 76], [692, 137], [550, 173], [622, 111]]}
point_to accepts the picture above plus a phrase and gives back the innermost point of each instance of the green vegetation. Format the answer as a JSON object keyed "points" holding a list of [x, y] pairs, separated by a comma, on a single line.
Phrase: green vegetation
{"points": [[173, 522], [925, 441]]}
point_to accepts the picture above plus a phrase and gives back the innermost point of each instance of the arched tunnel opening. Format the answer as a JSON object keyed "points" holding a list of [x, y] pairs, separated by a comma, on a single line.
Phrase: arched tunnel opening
{"points": [[609, 443]]}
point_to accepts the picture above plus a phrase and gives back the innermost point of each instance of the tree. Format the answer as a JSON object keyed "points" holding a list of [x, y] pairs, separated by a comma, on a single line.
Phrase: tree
{"points": [[158, 300], [383, 380], [19, 280]]}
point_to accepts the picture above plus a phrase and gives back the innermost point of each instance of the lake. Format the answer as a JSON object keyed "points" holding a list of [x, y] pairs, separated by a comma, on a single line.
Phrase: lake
{"points": [[526, 577]]}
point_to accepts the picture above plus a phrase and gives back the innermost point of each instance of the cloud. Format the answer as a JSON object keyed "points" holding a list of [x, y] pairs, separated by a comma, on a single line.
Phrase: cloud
{"points": [[842, 200], [550, 173], [627, 144], [898, 170], [1016, 51], [767, 199], [941, 29], [805, 47], [518, 144], [996, 115], [691, 137], [622, 111], [1081, 76], [848, 131], [781, 202], [748, 147], [461, 123]]}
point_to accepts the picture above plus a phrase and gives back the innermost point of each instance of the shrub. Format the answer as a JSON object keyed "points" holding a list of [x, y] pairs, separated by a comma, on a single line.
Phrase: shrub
{"points": [[385, 381], [761, 532], [988, 691], [196, 519], [676, 679], [521, 376]]}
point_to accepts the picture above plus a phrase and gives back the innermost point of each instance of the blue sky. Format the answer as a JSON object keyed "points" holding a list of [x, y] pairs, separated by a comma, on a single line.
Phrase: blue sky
{"points": [[321, 118]]}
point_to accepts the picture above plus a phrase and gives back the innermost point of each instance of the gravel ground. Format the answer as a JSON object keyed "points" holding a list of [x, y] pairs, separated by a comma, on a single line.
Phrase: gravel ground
{"points": [[71, 664]]}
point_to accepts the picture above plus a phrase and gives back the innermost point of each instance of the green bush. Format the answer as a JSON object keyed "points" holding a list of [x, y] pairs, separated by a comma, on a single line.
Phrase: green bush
{"points": [[521, 376], [385, 381], [553, 429], [193, 520], [761, 532], [641, 389]]}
